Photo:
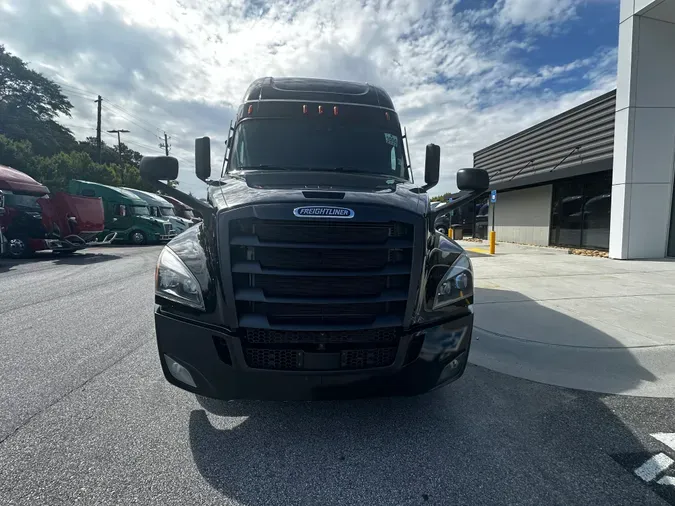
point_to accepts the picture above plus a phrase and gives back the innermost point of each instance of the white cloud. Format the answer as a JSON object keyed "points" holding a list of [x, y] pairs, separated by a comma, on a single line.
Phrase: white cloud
{"points": [[536, 13], [183, 65]]}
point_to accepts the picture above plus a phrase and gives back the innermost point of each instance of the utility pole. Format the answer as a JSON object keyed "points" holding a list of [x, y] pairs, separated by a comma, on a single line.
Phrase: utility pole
{"points": [[119, 141], [165, 145], [98, 128]]}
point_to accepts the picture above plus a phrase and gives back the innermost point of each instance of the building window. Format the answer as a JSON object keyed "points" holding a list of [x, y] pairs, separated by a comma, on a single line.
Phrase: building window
{"points": [[580, 211]]}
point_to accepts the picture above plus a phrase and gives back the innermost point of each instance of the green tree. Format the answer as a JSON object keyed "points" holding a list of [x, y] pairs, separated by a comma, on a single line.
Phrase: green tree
{"points": [[442, 198], [29, 106], [31, 140], [110, 154], [56, 171], [16, 154]]}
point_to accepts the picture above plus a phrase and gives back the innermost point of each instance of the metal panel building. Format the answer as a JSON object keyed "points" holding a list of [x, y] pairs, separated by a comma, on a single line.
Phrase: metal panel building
{"points": [[554, 179], [610, 163]]}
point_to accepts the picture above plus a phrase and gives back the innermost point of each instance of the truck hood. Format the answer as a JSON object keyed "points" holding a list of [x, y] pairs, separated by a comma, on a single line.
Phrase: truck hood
{"points": [[154, 221], [179, 222], [334, 188]]}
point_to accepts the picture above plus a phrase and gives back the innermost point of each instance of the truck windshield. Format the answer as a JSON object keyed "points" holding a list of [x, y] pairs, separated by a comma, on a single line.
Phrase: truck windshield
{"points": [[317, 145], [167, 211], [22, 200], [140, 210], [188, 214]]}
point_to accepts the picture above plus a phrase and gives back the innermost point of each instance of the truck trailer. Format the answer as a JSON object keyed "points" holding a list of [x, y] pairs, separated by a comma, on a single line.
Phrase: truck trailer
{"points": [[317, 271]]}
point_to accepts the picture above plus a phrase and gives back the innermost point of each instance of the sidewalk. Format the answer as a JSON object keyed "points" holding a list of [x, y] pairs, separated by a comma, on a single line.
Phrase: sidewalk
{"points": [[582, 322]]}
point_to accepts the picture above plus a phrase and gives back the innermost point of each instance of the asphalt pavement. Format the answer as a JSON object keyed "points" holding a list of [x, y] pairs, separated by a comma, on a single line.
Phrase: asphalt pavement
{"points": [[86, 417]]}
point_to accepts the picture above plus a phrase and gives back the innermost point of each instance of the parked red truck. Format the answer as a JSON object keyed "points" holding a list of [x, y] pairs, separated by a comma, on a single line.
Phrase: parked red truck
{"points": [[182, 210], [35, 219]]}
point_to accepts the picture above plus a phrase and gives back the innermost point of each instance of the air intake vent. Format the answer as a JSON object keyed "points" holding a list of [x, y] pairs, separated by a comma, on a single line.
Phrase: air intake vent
{"points": [[323, 195]]}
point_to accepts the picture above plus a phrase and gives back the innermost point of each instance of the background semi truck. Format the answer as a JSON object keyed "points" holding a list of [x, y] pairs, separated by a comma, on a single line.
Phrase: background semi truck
{"points": [[182, 210], [162, 208], [126, 214], [35, 219]]}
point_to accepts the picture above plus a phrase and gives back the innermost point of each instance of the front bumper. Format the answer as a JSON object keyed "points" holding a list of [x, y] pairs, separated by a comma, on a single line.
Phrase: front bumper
{"points": [[222, 372]]}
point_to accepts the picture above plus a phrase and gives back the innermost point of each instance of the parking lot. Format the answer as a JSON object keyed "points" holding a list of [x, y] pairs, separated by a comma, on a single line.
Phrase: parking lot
{"points": [[86, 416]]}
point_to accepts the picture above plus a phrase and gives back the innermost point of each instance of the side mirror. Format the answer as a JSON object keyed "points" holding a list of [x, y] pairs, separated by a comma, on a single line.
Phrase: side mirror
{"points": [[432, 166], [203, 158], [475, 180], [155, 168]]}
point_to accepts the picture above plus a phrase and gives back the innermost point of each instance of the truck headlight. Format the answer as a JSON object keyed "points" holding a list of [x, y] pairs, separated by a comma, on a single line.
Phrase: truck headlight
{"points": [[456, 284], [175, 282]]}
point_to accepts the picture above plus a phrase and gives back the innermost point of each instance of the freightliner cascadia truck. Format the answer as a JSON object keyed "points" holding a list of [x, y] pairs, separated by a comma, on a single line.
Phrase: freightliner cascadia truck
{"points": [[317, 271]]}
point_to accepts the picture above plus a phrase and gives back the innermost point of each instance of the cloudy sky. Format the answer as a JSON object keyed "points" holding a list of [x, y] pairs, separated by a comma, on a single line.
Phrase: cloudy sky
{"points": [[462, 73]]}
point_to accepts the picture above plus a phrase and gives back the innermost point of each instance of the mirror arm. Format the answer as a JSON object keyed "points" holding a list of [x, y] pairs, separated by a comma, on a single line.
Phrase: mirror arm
{"points": [[422, 189], [193, 202], [444, 209]]}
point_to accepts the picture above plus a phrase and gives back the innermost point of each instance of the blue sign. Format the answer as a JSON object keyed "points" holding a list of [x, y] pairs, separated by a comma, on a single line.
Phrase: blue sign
{"points": [[493, 196]]}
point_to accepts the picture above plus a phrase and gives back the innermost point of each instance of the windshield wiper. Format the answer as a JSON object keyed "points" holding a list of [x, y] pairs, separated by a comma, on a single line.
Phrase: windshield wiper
{"points": [[268, 167], [344, 170], [356, 171]]}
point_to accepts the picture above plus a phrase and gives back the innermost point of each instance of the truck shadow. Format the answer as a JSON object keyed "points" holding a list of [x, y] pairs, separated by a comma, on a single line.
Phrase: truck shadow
{"points": [[489, 438], [7, 264]]}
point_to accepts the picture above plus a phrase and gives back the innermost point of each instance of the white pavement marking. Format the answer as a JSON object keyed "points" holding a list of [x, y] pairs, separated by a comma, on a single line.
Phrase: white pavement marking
{"points": [[667, 438], [667, 480], [654, 466]]}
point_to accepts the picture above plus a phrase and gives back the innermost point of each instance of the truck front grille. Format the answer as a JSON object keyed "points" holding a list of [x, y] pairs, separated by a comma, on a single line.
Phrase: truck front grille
{"points": [[320, 294], [320, 272]]}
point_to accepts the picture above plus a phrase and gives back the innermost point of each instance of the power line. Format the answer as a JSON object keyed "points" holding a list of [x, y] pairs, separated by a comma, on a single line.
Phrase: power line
{"points": [[76, 91], [128, 114], [74, 88], [70, 94], [142, 146], [87, 94], [109, 109], [79, 127]]}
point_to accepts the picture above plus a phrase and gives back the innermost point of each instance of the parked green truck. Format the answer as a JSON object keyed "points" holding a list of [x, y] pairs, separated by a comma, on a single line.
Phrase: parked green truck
{"points": [[126, 214], [161, 208]]}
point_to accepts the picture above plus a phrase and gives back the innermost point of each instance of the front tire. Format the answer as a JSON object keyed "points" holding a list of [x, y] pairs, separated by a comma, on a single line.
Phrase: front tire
{"points": [[18, 248], [137, 238], [443, 230]]}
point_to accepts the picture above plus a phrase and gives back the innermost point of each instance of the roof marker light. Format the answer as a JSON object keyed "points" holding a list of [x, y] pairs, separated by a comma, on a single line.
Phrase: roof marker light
{"points": [[335, 110], [320, 109], [250, 109], [304, 109]]}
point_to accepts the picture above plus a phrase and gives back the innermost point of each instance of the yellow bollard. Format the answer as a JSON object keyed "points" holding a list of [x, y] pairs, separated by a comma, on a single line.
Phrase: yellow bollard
{"points": [[493, 240], [451, 233]]}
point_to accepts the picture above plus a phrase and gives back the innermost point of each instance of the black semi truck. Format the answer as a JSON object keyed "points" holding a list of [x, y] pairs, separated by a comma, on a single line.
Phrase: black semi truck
{"points": [[317, 271]]}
